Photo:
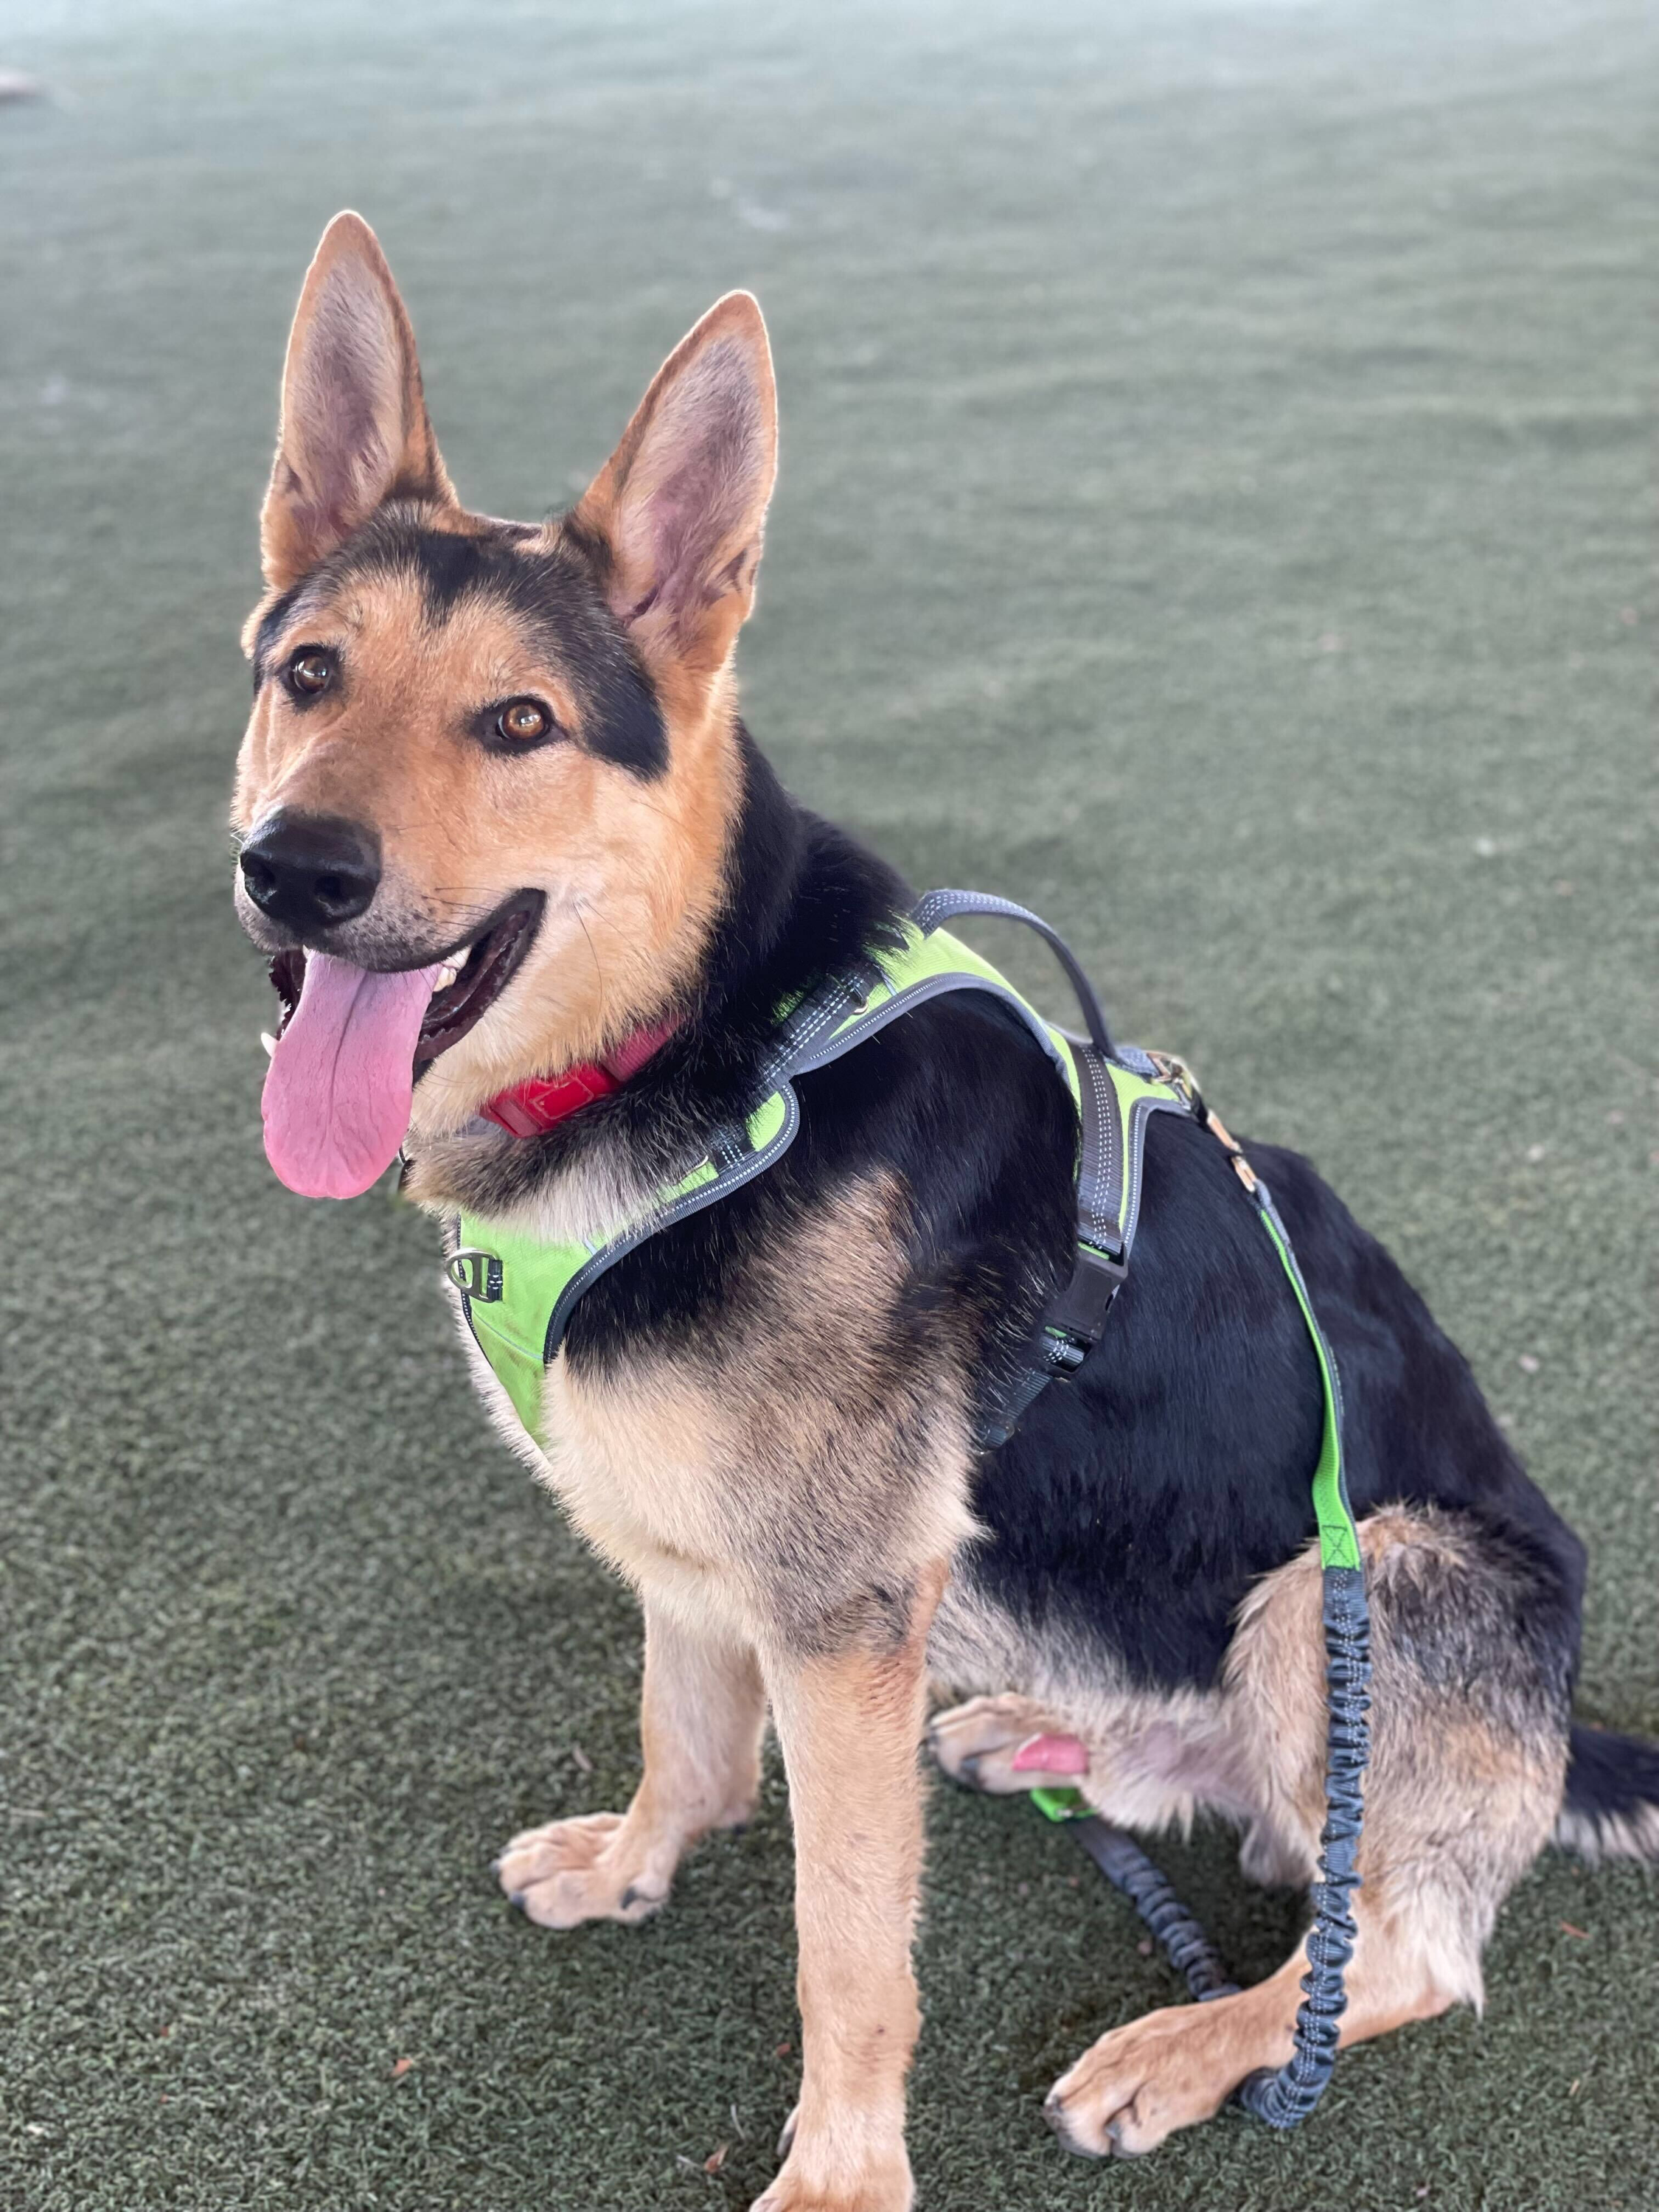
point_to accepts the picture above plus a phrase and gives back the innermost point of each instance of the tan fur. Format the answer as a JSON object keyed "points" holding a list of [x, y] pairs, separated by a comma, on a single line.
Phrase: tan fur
{"points": [[787, 1519], [747, 1484], [687, 642], [1178, 2066], [1430, 1750], [1156, 1760], [632, 873], [754, 1498]]}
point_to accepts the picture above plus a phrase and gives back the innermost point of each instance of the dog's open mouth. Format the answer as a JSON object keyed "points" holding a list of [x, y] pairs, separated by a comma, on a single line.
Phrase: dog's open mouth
{"points": [[467, 985], [353, 1041]]}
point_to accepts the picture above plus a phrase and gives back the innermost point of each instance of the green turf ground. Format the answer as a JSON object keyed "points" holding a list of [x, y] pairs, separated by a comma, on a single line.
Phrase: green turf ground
{"points": [[1214, 509]]}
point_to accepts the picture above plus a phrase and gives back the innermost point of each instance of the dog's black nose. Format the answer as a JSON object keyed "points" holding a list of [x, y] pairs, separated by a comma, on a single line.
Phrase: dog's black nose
{"points": [[310, 871]]}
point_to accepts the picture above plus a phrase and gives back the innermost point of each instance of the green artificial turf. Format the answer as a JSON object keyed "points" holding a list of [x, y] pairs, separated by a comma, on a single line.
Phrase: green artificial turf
{"points": [[1214, 510]]}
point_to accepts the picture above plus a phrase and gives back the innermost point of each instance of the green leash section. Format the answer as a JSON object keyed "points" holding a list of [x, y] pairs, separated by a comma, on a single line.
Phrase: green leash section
{"points": [[1339, 1540], [519, 1293]]}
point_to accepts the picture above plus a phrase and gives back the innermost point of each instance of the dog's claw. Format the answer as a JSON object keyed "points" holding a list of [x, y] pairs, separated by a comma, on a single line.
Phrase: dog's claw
{"points": [[1054, 2113]]}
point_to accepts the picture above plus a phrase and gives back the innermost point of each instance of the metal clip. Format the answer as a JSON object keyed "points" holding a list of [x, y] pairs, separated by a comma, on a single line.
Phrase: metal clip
{"points": [[476, 1274], [1180, 1077]]}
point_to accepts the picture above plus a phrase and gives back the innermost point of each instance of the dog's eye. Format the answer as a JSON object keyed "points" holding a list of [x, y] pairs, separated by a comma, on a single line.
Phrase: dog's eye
{"points": [[521, 721], [311, 670]]}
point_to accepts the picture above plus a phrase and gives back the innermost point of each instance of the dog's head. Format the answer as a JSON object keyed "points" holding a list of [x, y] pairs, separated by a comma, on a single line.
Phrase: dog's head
{"points": [[484, 797]]}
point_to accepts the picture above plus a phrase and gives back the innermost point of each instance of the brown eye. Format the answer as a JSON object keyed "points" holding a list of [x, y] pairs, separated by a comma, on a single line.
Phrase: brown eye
{"points": [[523, 721], [310, 670]]}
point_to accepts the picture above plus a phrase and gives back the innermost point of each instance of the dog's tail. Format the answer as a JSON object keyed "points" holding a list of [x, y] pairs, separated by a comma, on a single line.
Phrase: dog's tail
{"points": [[1611, 1809]]}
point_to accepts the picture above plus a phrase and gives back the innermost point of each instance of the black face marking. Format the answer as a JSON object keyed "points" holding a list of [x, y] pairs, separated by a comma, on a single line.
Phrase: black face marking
{"points": [[553, 595], [272, 624]]}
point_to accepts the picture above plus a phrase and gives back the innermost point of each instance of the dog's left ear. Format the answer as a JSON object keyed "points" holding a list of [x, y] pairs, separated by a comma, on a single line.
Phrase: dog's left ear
{"points": [[355, 431], [680, 503]]}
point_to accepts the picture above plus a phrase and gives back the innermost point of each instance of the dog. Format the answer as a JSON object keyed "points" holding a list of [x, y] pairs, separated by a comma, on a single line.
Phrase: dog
{"points": [[499, 820]]}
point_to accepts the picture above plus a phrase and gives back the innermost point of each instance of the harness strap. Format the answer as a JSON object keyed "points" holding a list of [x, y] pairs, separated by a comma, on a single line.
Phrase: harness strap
{"points": [[942, 906], [1117, 1089]]}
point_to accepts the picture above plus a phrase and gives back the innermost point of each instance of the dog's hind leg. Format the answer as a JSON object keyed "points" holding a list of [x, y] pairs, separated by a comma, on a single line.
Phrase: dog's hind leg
{"points": [[1472, 1642], [702, 1712]]}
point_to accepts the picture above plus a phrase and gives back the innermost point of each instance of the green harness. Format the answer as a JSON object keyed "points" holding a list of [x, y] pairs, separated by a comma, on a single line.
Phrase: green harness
{"points": [[519, 1294]]}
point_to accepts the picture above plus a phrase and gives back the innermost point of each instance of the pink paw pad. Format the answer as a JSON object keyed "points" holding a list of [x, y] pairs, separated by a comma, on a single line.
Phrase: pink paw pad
{"points": [[1051, 1754]]}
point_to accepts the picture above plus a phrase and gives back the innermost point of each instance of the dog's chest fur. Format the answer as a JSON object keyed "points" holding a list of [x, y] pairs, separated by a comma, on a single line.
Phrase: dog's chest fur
{"points": [[768, 1470]]}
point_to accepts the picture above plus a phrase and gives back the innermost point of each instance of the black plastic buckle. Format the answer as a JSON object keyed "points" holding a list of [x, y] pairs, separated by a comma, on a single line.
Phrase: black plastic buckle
{"points": [[1077, 1320], [1107, 1262]]}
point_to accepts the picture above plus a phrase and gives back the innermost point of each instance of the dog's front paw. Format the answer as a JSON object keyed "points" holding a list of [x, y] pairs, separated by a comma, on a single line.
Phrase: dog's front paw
{"points": [[596, 1867], [1141, 2082], [807, 2185]]}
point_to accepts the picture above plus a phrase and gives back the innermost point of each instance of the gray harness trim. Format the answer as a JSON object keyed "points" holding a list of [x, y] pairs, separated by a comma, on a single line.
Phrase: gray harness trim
{"points": [[739, 1163]]}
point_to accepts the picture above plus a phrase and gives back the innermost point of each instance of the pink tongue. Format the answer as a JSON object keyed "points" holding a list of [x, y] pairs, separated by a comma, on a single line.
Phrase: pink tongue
{"points": [[338, 1088]]}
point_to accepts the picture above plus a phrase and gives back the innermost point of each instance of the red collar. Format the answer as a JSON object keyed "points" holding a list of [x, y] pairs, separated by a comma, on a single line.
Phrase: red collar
{"points": [[530, 1107]]}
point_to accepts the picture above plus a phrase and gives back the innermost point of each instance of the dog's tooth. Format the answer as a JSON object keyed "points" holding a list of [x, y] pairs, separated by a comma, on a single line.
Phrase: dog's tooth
{"points": [[269, 1042], [446, 976]]}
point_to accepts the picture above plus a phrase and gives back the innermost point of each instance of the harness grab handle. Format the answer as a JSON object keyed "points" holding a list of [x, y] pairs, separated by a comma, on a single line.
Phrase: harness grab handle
{"points": [[943, 906]]}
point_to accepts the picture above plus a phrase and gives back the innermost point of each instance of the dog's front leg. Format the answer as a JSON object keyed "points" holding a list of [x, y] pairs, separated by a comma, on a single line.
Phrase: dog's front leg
{"points": [[850, 1723], [702, 1712]]}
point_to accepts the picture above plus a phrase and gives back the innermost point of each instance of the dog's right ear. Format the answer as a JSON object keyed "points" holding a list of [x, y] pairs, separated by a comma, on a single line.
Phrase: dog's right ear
{"points": [[353, 427]]}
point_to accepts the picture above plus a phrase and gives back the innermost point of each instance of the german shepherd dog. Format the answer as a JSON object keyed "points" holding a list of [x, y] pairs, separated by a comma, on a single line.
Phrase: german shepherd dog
{"points": [[498, 819]]}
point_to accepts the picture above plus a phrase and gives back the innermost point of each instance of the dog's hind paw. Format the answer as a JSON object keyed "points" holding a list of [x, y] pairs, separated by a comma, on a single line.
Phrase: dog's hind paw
{"points": [[590, 1868], [1167, 2070], [1003, 1745]]}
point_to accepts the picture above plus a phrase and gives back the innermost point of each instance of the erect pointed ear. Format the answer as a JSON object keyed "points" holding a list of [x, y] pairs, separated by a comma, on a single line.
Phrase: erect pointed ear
{"points": [[682, 501], [354, 429]]}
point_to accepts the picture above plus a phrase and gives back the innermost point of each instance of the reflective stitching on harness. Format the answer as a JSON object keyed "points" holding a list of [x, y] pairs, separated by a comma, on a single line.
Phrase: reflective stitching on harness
{"points": [[1103, 1204]]}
